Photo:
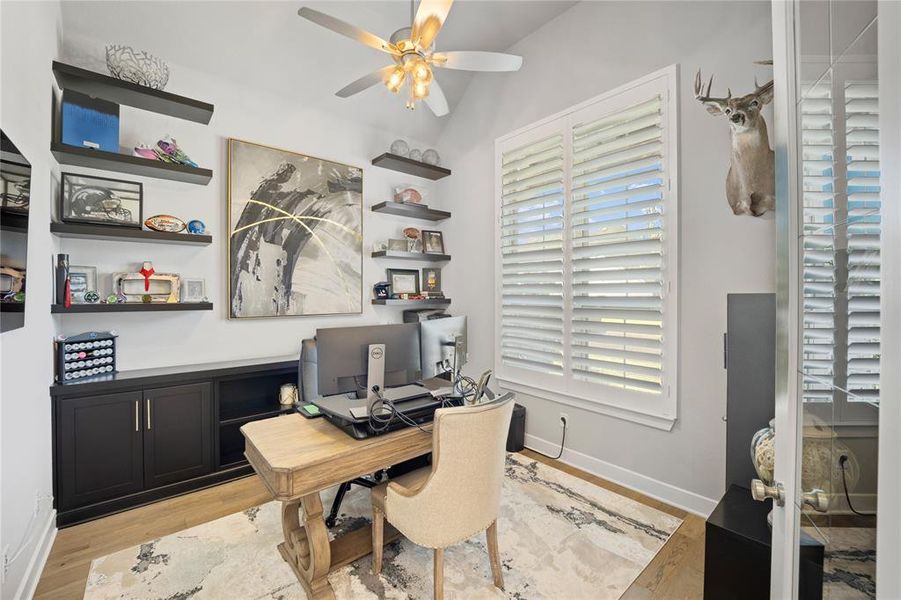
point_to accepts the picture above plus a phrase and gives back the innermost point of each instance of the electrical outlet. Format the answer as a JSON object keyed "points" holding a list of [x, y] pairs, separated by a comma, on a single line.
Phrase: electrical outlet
{"points": [[564, 419]]}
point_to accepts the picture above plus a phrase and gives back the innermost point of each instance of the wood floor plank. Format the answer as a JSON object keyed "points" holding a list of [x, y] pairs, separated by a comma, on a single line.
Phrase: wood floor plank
{"points": [[677, 571]]}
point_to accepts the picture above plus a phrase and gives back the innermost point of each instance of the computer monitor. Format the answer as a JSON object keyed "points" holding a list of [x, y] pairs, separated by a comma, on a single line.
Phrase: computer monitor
{"points": [[343, 356], [443, 345]]}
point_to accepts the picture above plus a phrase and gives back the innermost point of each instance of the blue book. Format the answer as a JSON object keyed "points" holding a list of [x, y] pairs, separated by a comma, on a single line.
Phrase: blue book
{"points": [[90, 122]]}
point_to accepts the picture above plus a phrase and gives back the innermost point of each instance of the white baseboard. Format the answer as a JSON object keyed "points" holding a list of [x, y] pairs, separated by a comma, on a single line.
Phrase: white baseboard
{"points": [[659, 490], [38, 559]]}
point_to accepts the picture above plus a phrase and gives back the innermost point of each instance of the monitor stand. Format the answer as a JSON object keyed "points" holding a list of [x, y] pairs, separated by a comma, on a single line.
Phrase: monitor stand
{"points": [[375, 376]]}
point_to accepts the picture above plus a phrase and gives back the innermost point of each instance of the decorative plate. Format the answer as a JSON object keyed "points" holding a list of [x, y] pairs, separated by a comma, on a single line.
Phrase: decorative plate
{"points": [[165, 223]]}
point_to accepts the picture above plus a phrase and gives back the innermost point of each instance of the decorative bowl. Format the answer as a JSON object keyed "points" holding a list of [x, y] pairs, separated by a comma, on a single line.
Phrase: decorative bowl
{"points": [[136, 66]]}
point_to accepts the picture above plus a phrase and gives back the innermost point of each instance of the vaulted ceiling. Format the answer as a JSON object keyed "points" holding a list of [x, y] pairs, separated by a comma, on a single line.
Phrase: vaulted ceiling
{"points": [[266, 46]]}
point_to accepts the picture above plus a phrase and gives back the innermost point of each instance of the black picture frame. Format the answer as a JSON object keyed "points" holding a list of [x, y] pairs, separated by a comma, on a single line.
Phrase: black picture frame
{"points": [[76, 205], [432, 242], [395, 290], [427, 273]]}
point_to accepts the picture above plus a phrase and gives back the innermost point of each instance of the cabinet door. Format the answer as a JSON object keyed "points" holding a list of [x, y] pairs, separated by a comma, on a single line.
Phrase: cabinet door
{"points": [[99, 447], [177, 433]]}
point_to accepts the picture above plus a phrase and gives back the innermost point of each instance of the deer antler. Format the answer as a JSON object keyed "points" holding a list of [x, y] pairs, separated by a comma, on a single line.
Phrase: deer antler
{"points": [[714, 105]]}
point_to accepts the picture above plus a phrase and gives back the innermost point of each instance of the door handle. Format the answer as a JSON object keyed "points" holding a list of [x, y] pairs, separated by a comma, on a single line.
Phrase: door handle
{"points": [[816, 499], [149, 421], [761, 491], [137, 415]]}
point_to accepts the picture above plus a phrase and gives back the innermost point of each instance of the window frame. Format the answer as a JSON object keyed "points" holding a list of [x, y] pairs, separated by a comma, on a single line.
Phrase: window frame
{"points": [[659, 411]]}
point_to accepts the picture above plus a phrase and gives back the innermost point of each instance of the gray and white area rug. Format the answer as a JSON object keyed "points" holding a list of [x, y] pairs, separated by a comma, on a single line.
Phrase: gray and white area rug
{"points": [[559, 537], [849, 572]]}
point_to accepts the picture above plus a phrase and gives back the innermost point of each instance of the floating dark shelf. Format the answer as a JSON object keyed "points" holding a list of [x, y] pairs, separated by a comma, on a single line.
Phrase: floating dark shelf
{"points": [[12, 307], [412, 211], [398, 302], [130, 165], [13, 222], [410, 166], [113, 232], [421, 256], [130, 307], [98, 85]]}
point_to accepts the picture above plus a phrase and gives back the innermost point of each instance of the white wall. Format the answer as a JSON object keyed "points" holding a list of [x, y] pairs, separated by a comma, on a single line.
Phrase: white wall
{"points": [[592, 48], [30, 40], [148, 340]]}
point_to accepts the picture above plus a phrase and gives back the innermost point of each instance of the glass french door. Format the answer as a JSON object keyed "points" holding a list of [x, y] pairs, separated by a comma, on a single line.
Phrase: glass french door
{"points": [[829, 222]]}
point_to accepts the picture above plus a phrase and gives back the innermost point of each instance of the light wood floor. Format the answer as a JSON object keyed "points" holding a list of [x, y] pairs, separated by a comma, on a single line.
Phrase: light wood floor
{"points": [[676, 571]]}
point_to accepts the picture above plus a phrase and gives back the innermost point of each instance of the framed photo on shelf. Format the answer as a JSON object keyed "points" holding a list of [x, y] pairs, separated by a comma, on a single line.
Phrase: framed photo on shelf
{"points": [[101, 201], [403, 281], [81, 281], [432, 242], [397, 245], [431, 281], [193, 290]]}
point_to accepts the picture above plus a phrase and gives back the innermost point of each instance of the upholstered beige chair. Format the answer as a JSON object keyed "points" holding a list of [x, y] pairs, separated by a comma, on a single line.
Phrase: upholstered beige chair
{"points": [[459, 495]]}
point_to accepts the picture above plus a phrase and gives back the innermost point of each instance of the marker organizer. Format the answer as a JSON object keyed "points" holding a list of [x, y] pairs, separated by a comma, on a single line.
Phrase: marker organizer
{"points": [[85, 356]]}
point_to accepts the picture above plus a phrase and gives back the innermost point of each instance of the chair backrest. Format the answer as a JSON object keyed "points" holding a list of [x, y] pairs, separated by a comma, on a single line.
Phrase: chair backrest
{"points": [[308, 371], [462, 495]]}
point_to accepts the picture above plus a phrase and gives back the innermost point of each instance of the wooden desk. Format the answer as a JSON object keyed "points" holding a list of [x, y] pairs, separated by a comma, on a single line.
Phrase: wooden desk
{"points": [[297, 458]]}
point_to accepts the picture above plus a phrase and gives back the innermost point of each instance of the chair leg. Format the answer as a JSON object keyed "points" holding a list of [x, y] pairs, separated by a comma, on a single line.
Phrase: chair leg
{"points": [[493, 556], [378, 538], [439, 574]]}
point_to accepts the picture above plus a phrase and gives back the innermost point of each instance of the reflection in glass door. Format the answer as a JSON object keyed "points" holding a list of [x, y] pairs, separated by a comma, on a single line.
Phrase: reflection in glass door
{"points": [[839, 301]]}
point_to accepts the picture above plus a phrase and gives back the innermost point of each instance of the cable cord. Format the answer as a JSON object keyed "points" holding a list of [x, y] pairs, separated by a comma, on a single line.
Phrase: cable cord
{"points": [[562, 445], [841, 461]]}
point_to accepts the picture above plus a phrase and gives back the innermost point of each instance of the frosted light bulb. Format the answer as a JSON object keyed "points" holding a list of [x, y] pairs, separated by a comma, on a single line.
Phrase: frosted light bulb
{"points": [[396, 79], [420, 90], [422, 72]]}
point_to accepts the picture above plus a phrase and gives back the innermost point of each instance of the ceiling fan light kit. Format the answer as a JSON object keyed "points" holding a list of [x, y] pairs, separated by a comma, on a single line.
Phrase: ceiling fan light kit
{"points": [[412, 49]]}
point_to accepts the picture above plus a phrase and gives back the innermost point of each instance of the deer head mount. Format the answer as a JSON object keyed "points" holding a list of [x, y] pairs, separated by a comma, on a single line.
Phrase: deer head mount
{"points": [[751, 184]]}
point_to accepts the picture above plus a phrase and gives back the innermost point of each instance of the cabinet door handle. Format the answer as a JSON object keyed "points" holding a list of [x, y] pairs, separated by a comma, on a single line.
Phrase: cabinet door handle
{"points": [[137, 415], [149, 422]]}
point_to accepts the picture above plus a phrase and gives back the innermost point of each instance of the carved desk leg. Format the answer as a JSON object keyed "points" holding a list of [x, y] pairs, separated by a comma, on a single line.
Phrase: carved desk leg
{"points": [[306, 547]]}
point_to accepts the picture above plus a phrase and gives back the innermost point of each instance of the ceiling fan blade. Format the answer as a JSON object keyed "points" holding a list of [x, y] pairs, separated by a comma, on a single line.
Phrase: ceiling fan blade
{"points": [[429, 20], [365, 82], [347, 30], [477, 61], [436, 100]]}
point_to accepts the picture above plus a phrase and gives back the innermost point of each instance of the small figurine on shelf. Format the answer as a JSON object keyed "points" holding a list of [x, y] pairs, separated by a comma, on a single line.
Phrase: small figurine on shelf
{"points": [[91, 297], [112, 299], [147, 270], [63, 292], [168, 151], [413, 242], [196, 226], [382, 290], [146, 298], [165, 224]]}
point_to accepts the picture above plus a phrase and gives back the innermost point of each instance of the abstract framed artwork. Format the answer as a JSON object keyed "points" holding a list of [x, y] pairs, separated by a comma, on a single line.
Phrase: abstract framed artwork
{"points": [[295, 244]]}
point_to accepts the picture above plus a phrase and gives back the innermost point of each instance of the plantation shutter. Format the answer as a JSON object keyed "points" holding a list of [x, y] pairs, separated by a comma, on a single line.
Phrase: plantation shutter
{"points": [[617, 184], [531, 245], [819, 216], [587, 243], [862, 155]]}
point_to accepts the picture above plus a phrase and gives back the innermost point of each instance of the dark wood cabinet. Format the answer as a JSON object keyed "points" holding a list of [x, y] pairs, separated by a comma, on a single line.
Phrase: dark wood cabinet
{"points": [[100, 448], [141, 436], [177, 433]]}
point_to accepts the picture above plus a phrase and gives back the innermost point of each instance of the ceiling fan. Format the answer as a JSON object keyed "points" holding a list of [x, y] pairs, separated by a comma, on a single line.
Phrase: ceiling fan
{"points": [[412, 49]]}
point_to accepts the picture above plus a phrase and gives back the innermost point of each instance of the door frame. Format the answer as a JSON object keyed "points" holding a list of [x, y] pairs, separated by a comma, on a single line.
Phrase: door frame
{"points": [[888, 524], [786, 525]]}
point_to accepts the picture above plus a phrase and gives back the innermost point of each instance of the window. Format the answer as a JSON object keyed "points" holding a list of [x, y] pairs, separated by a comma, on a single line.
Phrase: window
{"points": [[841, 216], [587, 254]]}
